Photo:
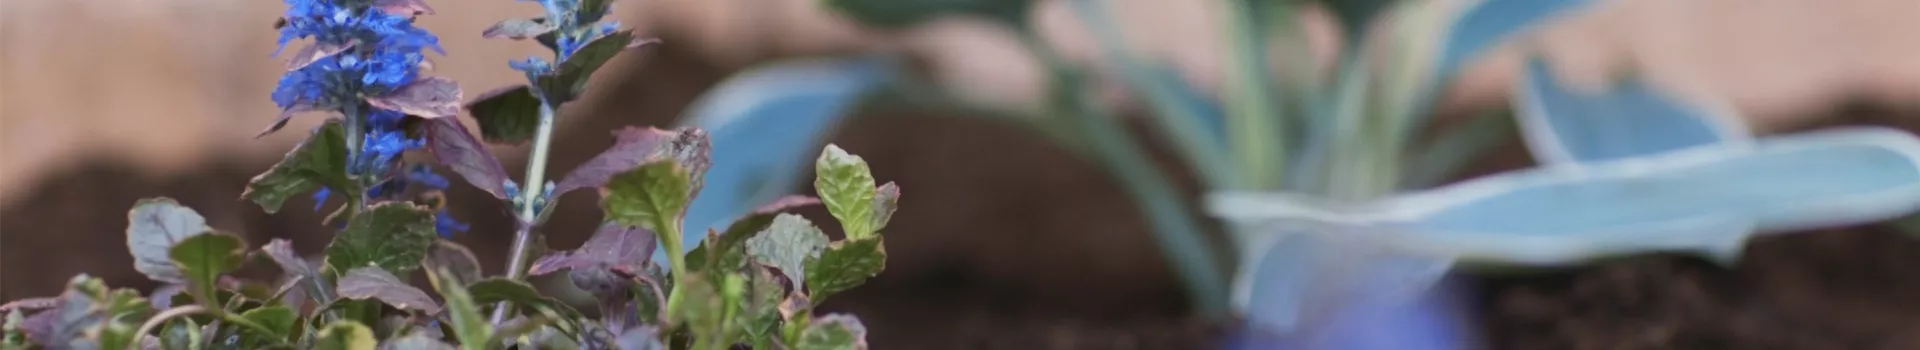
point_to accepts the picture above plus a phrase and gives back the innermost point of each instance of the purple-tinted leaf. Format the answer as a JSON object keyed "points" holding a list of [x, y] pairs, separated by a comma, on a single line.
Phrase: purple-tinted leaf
{"points": [[281, 251], [403, 7], [375, 283], [154, 227], [506, 115], [457, 149], [162, 297], [834, 331], [885, 200], [632, 146], [431, 98], [518, 28], [29, 304], [318, 50], [593, 265], [455, 259]]}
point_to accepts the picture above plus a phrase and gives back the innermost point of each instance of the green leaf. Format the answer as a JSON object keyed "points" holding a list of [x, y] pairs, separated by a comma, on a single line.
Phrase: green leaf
{"points": [[833, 332], [702, 306], [345, 335], [653, 196], [740, 230], [900, 14], [371, 282], [416, 341], [846, 186], [469, 326], [203, 258], [759, 315], [591, 11], [11, 335], [569, 79], [154, 226], [392, 235], [844, 265], [507, 115], [281, 251], [180, 334], [321, 160], [520, 293], [787, 245], [518, 28], [279, 319]]}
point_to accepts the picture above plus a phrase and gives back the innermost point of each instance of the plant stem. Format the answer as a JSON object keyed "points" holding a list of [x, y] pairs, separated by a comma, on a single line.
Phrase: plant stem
{"points": [[535, 186], [162, 318], [1180, 236], [1253, 115]]}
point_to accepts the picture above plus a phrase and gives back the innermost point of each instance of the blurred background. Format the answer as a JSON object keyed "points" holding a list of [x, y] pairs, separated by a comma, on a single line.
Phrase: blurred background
{"points": [[1005, 240]]}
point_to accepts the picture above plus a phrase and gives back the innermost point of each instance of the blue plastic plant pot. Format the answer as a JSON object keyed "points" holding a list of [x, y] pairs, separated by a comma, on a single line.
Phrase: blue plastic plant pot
{"points": [[1441, 319]]}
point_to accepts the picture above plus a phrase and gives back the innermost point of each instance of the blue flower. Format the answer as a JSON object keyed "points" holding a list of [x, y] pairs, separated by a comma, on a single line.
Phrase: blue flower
{"points": [[379, 149], [424, 175], [320, 197], [446, 225], [385, 52]]}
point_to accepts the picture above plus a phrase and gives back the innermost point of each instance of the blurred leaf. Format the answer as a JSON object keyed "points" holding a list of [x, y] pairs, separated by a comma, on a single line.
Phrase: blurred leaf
{"points": [[1356, 16], [1488, 22], [203, 258], [833, 332], [182, 334], [507, 115], [570, 79], [281, 251], [76, 322], [1632, 119], [11, 334], [653, 196], [392, 235], [1305, 279], [154, 226], [640, 338], [469, 326], [632, 146], [319, 161], [279, 319], [345, 335], [1190, 117], [454, 147], [591, 11], [416, 341], [1457, 147], [518, 28], [900, 14], [759, 314], [702, 306], [787, 245], [846, 186], [371, 282], [766, 123], [496, 290], [844, 265], [456, 259]]}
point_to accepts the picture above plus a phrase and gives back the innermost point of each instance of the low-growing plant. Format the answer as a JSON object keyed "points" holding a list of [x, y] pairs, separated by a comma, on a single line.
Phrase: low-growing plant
{"points": [[755, 283]]}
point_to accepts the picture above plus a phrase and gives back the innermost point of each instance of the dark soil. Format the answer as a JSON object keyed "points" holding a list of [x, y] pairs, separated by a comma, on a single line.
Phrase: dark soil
{"points": [[1004, 241]]}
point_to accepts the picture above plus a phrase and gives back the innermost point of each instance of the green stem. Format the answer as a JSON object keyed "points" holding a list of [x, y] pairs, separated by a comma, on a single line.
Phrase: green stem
{"points": [[529, 197], [162, 318], [1179, 234]]}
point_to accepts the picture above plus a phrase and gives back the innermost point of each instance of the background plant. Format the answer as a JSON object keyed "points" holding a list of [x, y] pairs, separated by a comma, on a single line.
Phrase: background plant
{"points": [[755, 283]]}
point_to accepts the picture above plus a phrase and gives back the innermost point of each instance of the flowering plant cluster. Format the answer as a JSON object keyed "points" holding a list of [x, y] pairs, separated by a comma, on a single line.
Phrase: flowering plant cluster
{"points": [[364, 63]]}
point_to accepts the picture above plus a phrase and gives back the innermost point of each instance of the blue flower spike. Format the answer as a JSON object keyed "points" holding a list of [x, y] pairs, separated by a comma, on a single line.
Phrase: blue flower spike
{"points": [[364, 62], [1625, 171]]}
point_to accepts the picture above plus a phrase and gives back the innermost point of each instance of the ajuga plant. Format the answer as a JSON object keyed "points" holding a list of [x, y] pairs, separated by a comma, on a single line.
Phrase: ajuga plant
{"points": [[1331, 180], [754, 283]]}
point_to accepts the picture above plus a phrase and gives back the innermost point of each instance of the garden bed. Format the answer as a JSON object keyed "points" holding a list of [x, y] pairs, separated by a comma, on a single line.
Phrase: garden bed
{"points": [[1012, 243]]}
